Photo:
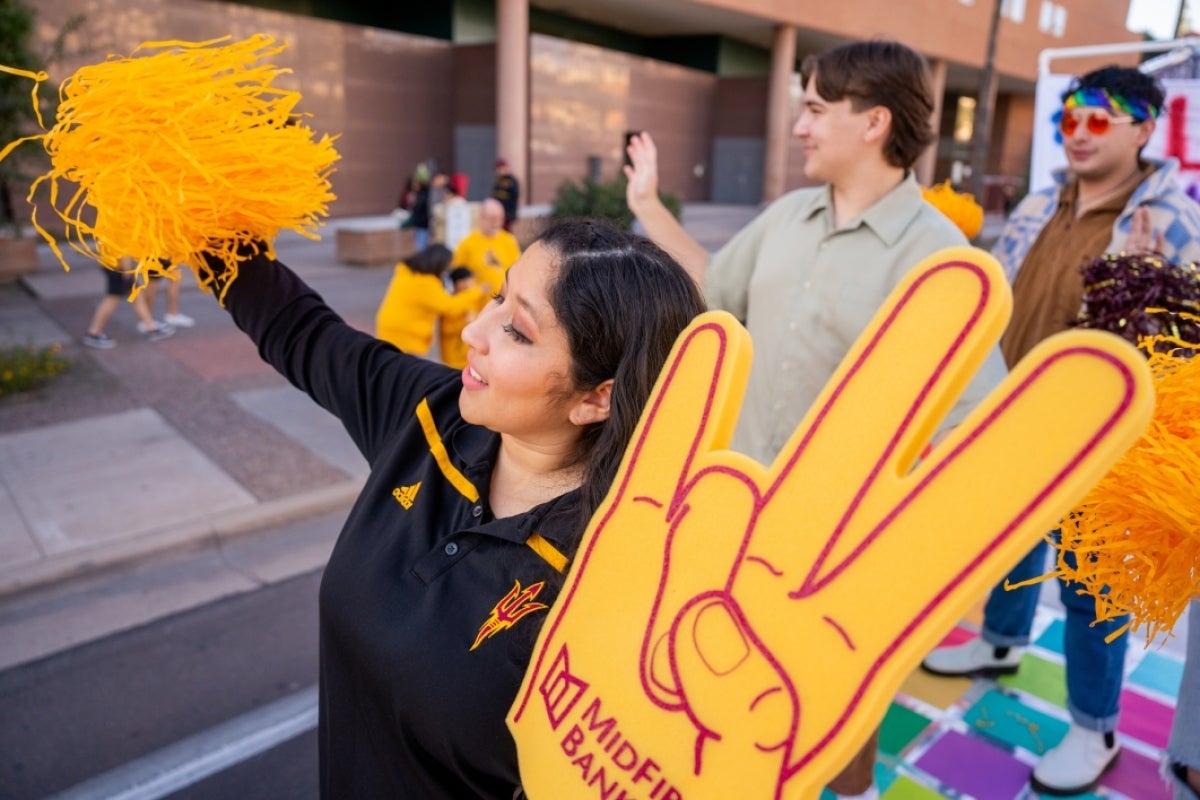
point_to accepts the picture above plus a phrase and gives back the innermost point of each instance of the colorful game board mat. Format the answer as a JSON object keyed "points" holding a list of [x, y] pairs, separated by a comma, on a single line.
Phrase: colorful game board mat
{"points": [[980, 738]]}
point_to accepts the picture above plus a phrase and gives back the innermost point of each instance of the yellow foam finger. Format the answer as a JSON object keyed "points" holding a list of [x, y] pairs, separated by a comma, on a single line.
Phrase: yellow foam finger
{"points": [[716, 493], [586, 682], [956, 525], [888, 396], [735, 692], [693, 408], [648, 682]]}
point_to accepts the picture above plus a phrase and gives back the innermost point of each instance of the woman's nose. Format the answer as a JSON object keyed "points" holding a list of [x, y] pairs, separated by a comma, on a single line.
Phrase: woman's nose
{"points": [[473, 333]]}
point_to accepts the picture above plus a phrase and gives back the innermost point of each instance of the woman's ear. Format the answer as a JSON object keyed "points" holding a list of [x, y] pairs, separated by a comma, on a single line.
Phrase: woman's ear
{"points": [[593, 407]]}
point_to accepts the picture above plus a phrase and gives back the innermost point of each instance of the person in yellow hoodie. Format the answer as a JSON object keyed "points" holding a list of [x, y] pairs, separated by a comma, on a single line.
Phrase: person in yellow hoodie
{"points": [[417, 296], [454, 349], [488, 250]]}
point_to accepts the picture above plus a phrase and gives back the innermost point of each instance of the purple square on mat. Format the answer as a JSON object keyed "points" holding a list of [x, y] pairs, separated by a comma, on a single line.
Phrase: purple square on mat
{"points": [[1144, 719], [974, 767], [1137, 776]]}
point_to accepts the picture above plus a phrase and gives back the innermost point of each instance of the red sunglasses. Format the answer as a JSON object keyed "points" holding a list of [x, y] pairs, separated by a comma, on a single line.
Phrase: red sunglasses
{"points": [[1097, 122]]}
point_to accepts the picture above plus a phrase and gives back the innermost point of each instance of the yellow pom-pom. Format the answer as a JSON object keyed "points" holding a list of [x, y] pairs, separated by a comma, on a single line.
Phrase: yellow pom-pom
{"points": [[183, 149], [1136, 536], [960, 207]]}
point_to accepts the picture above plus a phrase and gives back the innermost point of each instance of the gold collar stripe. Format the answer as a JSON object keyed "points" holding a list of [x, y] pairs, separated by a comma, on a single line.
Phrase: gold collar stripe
{"points": [[456, 478], [548, 552]]}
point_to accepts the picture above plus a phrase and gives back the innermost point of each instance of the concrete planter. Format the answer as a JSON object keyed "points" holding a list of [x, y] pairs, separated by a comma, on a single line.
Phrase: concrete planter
{"points": [[17, 257], [374, 245]]}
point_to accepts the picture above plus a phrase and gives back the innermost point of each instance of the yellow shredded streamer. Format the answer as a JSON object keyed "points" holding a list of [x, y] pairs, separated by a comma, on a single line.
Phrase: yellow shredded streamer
{"points": [[960, 207], [180, 150], [1136, 536]]}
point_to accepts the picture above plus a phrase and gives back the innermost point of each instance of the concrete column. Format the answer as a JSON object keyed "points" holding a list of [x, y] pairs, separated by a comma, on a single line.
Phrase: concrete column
{"points": [[779, 112], [928, 160], [512, 89]]}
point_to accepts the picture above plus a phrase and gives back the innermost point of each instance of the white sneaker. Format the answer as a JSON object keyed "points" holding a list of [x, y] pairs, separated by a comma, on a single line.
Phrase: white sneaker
{"points": [[975, 657], [163, 331], [100, 341], [179, 320], [144, 328], [1078, 762]]}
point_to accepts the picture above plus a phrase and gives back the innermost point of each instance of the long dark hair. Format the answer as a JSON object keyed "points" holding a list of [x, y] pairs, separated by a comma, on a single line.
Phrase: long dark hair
{"points": [[433, 260], [622, 302]]}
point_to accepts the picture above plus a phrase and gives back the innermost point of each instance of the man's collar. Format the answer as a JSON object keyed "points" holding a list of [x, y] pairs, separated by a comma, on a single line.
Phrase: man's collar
{"points": [[1113, 200], [888, 218], [817, 201], [893, 212]]}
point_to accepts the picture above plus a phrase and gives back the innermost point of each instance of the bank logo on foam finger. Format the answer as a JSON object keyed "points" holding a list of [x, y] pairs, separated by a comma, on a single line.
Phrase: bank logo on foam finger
{"points": [[594, 743], [560, 689]]}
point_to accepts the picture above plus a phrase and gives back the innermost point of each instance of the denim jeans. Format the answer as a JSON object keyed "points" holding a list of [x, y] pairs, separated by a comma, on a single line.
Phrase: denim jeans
{"points": [[420, 238], [1184, 744], [1095, 669]]}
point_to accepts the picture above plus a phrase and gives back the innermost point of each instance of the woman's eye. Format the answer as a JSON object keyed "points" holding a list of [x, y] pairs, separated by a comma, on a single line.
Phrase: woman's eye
{"points": [[516, 334]]}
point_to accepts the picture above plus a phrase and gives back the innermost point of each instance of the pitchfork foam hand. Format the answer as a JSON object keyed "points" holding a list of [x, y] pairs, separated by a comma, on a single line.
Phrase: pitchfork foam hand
{"points": [[733, 629]]}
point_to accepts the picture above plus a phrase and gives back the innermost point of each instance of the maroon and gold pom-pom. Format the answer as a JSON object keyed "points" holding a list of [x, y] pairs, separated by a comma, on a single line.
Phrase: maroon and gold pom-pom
{"points": [[1141, 295]]}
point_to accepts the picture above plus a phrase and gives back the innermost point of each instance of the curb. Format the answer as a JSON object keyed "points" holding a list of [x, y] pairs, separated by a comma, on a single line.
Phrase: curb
{"points": [[205, 531]]}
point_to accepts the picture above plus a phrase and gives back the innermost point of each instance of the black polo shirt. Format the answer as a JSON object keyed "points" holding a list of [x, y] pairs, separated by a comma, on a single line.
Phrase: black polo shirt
{"points": [[429, 606]]}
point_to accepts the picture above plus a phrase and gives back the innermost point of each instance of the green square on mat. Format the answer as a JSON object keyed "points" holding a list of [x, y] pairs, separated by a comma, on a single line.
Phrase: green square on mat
{"points": [[1040, 678], [906, 788], [1005, 719], [900, 726]]}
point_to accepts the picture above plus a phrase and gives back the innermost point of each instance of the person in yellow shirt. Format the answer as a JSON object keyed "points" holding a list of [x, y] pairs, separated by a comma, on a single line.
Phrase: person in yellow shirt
{"points": [[454, 349], [416, 297], [488, 250]]}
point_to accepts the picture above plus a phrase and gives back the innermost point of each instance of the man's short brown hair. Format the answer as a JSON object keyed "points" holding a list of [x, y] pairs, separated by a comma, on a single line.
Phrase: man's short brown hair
{"points": [[880, 73]]}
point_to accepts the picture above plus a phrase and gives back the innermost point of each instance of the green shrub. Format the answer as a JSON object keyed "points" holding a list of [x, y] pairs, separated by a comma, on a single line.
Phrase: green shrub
{"points": [[603, 199], [23, 367], [20, 49]]}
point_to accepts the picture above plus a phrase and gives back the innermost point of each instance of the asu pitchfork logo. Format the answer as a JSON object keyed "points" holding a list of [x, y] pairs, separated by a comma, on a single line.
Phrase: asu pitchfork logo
{"points": [[514, 605]]}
